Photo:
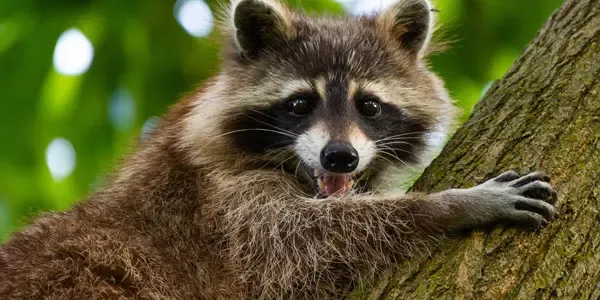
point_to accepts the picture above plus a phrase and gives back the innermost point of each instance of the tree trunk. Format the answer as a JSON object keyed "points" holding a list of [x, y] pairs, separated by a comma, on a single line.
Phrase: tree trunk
{"points": [[543, 115]]}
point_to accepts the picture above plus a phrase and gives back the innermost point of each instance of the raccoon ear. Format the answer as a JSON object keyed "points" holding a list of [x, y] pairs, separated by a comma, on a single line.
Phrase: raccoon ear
{"points": [[410, 22], [259, 24]]}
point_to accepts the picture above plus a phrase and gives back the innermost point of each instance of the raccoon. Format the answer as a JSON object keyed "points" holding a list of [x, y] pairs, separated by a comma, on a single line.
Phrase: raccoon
{"points": [[267, 182]]}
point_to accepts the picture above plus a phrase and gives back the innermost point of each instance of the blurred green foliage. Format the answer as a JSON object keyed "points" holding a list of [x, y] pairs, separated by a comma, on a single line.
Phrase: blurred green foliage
{"points": [[142, 52]]}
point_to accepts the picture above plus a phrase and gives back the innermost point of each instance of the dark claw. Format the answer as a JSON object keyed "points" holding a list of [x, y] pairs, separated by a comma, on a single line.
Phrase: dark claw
{"points": [[527, 220], [546, 178], [531, 178], [538, 207], [538, 190], [507, 176], [554, 197]]}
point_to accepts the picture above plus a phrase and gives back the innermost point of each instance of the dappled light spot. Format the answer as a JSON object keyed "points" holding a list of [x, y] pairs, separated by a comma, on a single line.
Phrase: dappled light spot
{"points": [[194, 16], [60, 158], [149, 126], [73, 54], [364, 7], [121, 110]]}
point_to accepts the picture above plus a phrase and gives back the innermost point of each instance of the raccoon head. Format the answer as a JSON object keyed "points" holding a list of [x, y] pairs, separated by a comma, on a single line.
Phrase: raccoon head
{"points": [[331, 100]]}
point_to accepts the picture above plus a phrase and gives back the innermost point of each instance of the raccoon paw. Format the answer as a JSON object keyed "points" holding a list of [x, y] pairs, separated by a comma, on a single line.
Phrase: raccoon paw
{"points": [[512, 200]]}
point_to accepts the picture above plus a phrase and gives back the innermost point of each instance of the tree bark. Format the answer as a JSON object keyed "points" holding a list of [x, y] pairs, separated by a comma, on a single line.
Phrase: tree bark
{"points": [[543, 115]]}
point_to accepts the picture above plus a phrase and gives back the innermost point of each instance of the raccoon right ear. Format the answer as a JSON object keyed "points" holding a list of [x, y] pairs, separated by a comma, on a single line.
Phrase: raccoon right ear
{"points": [[410, 22], [259, 24]]}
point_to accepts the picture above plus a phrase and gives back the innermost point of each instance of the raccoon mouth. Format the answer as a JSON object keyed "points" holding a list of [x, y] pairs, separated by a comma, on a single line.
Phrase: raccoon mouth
{"points": [[328, 184]]}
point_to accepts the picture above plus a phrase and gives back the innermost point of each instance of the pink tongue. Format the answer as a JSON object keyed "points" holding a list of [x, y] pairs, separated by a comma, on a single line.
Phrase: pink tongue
{"points": [[335, 184]]}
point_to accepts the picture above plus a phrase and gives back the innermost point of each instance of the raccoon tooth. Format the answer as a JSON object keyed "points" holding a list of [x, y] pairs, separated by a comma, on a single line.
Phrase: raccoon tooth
{"points": [[321, 184]]}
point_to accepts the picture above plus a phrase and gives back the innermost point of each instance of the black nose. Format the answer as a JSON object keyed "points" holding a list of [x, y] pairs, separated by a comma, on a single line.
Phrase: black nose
{"points": [[339, 157]]}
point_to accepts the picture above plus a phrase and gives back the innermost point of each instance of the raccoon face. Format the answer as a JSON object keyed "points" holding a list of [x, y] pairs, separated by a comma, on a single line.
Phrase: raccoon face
{"points": [[332, 101]]}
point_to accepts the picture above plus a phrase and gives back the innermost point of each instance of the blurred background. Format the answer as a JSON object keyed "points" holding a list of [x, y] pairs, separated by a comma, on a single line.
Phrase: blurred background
{"points": [[81, 80]]}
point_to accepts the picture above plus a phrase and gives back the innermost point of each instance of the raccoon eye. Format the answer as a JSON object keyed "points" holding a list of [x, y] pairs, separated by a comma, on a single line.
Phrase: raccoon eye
{"points": [[300, 106], [370, 107]]}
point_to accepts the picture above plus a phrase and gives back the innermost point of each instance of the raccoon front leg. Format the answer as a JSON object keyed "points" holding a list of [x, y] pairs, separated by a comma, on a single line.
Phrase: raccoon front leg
{"points": [[283, 242]]}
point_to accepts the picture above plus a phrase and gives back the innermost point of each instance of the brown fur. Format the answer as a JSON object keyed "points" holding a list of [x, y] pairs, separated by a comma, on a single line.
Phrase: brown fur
{"points": [[190, 216]]}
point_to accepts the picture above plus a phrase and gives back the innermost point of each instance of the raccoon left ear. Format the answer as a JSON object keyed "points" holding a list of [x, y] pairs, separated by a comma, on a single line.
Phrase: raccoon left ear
{"points": [[410, 22], [259, 24]]}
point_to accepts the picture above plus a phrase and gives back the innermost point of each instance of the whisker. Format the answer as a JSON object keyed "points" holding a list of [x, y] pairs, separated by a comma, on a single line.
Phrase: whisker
{"points": [[274, 154], [271, 125], [255, 129], [363, 177], [297, 167], [395, 157], [386, 147], [403, 138], [290, 154], [213, 138], [405, 134], [395, 143], [366, 179], [455, 140], [284, 161], [263, 114], [391, 163]]}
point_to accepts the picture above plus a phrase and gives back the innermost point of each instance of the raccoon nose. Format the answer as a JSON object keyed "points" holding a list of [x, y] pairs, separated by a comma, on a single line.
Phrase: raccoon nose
{"points": [[339, 157]]}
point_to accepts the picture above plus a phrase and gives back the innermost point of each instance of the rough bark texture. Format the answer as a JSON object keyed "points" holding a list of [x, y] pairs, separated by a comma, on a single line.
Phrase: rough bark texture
{"points": [[543, 115]]}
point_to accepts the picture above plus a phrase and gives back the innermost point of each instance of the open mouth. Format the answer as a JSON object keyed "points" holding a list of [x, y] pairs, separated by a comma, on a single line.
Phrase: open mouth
{"points": [[328, 184]]}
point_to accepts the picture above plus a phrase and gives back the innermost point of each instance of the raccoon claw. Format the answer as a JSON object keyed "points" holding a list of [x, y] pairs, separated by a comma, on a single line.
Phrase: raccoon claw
{"points": [[529, 220], [507, 176], [538, 207], [537, 190], [537, 176]]}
